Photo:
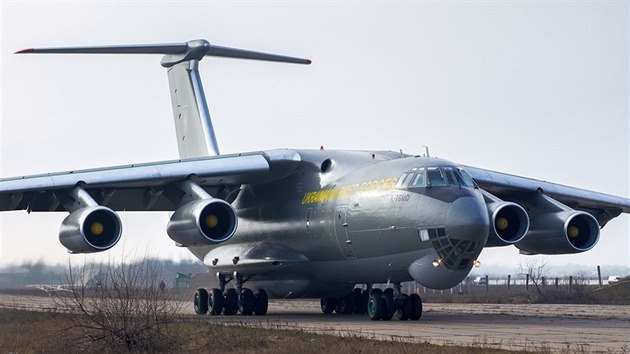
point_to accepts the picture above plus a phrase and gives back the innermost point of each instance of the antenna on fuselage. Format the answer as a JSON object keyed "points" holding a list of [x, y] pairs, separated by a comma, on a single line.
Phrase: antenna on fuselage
{"points": [[193, 124]]}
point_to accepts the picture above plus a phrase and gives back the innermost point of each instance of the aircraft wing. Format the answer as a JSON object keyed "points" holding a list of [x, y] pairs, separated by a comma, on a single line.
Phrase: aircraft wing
{"points": [[522, 190], [148, 186]]}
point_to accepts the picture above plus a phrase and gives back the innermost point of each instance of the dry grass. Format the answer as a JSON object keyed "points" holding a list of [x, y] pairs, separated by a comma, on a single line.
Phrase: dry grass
{"points": [[37, 332]]}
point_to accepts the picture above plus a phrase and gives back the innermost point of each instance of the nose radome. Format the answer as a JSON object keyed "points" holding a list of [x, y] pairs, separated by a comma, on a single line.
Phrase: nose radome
{"points": [[467, 219]]}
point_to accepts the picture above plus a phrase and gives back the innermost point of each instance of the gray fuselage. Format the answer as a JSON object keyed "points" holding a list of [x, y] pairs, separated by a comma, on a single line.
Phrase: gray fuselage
{"points": [[347, 217]]}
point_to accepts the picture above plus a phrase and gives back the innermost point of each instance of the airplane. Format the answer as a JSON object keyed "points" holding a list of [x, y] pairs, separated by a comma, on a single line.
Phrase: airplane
{"points": [[295, 223], [89, 277]]}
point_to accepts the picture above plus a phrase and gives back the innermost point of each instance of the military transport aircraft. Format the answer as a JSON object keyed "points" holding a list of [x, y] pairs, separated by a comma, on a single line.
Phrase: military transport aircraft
{"points": [[292, 223]]}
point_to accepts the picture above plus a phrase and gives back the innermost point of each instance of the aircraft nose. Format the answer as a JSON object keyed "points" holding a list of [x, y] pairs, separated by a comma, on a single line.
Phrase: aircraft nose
{"points": [[467, 219]]}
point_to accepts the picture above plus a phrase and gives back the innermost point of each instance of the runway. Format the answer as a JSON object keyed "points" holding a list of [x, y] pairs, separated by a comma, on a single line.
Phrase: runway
{"points": [[576, 328], [533, 327]]}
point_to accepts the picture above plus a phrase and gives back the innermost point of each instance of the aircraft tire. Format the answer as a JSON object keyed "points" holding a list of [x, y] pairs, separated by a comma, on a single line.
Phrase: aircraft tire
{"points": [[230, 305], [403, 308], [261, 302], [346, 305], [375, 306], [248, 302], [389, 306], [215, 302], [416, 307], [200, 301], [327, 304]]}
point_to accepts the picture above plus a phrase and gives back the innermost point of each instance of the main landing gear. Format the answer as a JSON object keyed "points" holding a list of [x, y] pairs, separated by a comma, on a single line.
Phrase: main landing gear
{"points": [[232, 300], [379, 305]]}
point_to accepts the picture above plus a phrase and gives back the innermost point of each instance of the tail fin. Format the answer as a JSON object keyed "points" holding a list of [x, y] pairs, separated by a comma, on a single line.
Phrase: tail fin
{"points": [[193, 125]]}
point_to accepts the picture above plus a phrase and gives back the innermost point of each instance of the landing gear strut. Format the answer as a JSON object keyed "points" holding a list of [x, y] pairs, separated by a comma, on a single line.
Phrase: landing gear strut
{"points": [[379, 305], [232, 300]]}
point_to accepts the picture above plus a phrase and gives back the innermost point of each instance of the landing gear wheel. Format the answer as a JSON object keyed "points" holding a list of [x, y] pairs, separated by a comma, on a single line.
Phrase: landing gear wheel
{"points": [[403, 308], [375, 306], [248, 303], [261, 302], [389, 306], [327, 304], [345, 305], [230, 306], [215, 302], [416, 307], [201, 301]]}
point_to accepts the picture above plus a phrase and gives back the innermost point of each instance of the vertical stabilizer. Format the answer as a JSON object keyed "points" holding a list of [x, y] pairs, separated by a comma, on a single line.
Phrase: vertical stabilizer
{"points": [[193, 125]]}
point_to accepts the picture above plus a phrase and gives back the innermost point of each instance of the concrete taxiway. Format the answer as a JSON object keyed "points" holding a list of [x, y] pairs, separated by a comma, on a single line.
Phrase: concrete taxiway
{"points": [[534, 327]]}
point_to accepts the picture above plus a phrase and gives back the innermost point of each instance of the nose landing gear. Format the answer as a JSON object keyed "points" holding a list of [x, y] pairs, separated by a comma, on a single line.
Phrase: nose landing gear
{"points": [[231, 301]]}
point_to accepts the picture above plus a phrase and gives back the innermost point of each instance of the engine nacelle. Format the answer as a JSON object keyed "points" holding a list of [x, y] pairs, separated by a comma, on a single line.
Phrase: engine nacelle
{"points": [[509, 224], [203, 222], [560, 233], [90, 229]]}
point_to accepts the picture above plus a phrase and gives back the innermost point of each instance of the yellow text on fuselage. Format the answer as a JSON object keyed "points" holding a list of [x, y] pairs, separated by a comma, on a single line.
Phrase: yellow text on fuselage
{"points": [[347, 191]]}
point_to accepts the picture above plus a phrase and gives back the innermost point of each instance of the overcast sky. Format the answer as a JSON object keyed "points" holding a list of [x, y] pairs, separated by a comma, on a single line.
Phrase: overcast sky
{"points": [[538, 89]]}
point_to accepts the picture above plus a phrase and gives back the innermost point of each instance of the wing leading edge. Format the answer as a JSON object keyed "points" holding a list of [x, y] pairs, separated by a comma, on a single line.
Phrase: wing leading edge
{"points": [[521, 189], [146, 187]]}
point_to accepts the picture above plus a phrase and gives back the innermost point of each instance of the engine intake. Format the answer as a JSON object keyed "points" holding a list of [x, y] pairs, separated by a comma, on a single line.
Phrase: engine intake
{"points": [[90, 229], [509, 224], [561, 233], [203, 222]]}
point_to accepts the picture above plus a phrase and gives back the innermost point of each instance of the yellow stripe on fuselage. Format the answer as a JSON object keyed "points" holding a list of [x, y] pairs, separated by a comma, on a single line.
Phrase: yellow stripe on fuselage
{"points": [[344, 192]]}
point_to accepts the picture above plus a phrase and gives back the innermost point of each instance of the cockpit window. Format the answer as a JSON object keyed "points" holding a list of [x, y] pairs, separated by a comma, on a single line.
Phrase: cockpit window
{"points": [[419, 180], [404, 180], [435, 178], [450, 176], [401, 179], [468, 181], [454, 177]]}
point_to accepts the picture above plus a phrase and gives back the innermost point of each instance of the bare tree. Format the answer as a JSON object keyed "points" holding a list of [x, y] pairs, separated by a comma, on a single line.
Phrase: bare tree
{"points": [[580, 287], [119, 306], [535, 269]]}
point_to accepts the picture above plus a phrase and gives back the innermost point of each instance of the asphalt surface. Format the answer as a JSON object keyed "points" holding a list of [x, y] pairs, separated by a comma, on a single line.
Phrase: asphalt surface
{"points": [[533, 327]]}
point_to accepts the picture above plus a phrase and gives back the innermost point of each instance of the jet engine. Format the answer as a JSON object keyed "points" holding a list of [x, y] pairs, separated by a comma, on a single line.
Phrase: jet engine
{"points": [[560, 233], [509, 223], [90, 229], [203, 222]]}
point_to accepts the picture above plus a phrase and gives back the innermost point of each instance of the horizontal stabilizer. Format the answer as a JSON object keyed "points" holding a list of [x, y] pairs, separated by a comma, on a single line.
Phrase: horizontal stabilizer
{"points": [[113, 49], [175, 52]]}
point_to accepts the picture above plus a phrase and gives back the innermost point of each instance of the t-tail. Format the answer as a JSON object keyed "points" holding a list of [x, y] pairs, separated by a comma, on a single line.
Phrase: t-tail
{"points": [[193, 125]]}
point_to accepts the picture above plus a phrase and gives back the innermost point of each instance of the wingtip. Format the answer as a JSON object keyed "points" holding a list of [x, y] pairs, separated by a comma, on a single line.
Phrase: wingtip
{"points": [[26, 51]]}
